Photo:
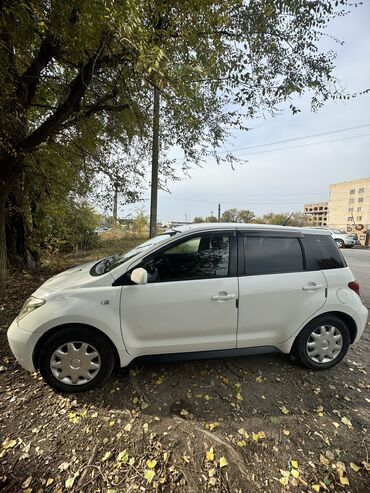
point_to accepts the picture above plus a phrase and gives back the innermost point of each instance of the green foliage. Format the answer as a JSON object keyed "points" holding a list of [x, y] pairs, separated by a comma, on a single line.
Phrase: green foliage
{"points": [[237, 216], [67, 225], [198, 219], [210, 219], [295, 219], [140, 223]]}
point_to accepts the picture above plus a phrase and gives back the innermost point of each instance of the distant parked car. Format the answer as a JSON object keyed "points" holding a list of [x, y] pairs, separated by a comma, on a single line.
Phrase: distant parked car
{"points": [[227, 289], [101, 230], [341, 238], [355, 237]]}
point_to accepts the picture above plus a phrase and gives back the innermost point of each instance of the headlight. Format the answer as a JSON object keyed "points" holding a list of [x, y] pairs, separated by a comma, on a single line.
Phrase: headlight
{"points": [[31, 304]]}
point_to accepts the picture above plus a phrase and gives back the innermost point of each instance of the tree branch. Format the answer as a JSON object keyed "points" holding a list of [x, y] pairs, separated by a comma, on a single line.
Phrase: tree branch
{"points": [[77, 90], [30, 79]]}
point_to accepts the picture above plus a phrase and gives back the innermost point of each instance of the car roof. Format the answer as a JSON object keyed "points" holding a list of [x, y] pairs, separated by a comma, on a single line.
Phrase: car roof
{"points": [[183, 228]]}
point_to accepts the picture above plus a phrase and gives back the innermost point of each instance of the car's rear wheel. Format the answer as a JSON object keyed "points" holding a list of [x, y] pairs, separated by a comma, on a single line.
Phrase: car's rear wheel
{"points": [[340, 243], [323, 343], [75, 359]]}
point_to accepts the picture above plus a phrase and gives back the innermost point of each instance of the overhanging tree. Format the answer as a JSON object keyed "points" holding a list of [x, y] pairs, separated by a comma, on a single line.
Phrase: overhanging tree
{"points": [[79, 75]]}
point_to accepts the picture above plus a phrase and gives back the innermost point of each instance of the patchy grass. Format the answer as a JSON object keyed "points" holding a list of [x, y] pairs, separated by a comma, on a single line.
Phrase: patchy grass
{"points": [[256, 424]]}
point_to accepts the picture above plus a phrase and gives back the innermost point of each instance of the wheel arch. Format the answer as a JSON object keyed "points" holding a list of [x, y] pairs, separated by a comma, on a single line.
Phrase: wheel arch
{"points": [[344, 317], [53, 330]]}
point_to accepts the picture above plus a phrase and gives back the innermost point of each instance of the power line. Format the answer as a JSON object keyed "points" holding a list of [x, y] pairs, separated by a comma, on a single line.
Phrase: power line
{"points": [[306, 145], [347, 129]]}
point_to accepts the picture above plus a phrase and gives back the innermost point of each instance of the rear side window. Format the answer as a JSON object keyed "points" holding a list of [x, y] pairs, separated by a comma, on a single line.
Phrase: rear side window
{"points": [[326, 253], [272, 255]]}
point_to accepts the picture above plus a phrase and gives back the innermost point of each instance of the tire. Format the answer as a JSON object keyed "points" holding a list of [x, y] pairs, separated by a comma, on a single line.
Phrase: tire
{"points": [[335, 340], [85, 355], [340, 243]]}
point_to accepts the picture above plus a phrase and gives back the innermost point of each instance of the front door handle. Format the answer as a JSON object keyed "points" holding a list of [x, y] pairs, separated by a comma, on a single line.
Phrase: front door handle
{"points": [[223, 296], [312, 286]]}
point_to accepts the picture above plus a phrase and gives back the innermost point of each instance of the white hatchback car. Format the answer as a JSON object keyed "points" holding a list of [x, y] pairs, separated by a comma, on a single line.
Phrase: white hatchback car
{"points": [[223, 289]]}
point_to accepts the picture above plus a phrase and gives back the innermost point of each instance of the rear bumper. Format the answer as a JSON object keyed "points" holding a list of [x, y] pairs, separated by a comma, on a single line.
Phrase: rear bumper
{"points": [[361, 321], [22, 344]]}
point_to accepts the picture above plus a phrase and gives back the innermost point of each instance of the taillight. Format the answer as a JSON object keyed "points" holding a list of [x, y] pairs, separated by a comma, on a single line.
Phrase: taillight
{"points": [[354, 285]]}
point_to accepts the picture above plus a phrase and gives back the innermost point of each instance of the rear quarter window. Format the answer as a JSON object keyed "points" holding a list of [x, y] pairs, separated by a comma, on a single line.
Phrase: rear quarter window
{"points": [[325, 253]]}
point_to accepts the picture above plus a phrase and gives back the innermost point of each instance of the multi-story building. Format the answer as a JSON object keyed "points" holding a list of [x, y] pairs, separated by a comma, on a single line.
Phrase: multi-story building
{"points": [[316, 214], [349, 207]]}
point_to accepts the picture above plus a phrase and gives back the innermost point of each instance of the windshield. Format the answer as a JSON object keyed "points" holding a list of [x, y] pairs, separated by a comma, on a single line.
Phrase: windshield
{"points": [[107, 264]]}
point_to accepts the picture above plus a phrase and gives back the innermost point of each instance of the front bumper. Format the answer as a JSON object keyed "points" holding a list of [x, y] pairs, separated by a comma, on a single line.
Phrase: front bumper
{"points": [[22, 344]]}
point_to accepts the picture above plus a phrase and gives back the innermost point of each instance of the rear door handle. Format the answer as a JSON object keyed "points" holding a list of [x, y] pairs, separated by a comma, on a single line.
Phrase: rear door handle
{"points": [[223, 297], [312, 287]]}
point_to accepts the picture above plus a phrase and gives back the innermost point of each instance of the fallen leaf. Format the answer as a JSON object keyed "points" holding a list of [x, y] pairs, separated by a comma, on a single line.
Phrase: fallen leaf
{"points": [[212, 426], [354, 466], [222, 462], [241, 443], [69, 482], [210, 456], [184, 412], [286, 432], [284, 410], [335, 424], [149, 475], [294, 473], [242, 432], [324, 460], [106, 456], [49, 481], [294, 464], [211, 472], [123, 457], [9, 443], [346, 422], [151, 463], [284, 481], [316, 487], [343, 480]]}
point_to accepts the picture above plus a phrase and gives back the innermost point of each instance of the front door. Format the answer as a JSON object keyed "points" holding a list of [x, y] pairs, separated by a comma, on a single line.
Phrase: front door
{"points": [[190, 300]]}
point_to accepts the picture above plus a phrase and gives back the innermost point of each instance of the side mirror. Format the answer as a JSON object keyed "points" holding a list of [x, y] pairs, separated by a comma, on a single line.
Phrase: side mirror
{"points": [[139, 276]]}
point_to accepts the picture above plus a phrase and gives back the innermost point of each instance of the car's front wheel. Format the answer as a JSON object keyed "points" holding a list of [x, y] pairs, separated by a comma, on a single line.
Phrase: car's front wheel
{"points": [[323, 343], [75, 359], [340, 243]]}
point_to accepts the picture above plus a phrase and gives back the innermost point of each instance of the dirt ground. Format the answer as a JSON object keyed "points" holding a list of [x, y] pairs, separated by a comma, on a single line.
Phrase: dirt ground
{"points": [[251, 424]]}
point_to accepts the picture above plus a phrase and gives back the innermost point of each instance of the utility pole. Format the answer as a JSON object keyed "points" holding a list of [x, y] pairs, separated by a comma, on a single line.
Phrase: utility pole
{"points": [[115, 205], [219, 213], [155, 160]]}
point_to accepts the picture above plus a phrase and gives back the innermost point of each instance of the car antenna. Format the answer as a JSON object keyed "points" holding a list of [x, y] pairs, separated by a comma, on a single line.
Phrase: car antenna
{"points": [[287, 220]]}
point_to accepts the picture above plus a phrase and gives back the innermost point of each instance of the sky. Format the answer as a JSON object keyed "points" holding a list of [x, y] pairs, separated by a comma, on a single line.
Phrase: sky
{"points": [[283, 177]]}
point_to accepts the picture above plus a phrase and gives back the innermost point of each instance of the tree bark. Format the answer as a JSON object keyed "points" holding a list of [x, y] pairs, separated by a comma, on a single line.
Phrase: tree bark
{"points": [[3, 249]]}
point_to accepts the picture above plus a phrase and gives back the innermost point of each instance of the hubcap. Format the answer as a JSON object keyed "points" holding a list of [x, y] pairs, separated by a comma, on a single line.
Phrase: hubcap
{"points": [[324, 344], [75, 363]]}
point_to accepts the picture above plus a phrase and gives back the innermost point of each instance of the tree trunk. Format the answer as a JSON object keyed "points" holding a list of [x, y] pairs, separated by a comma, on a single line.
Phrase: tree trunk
{"points": [[3, 249]]}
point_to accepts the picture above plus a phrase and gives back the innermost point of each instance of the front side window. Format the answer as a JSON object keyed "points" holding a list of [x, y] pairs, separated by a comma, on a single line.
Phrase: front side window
{"points": [[270, 255], [201, 257]]}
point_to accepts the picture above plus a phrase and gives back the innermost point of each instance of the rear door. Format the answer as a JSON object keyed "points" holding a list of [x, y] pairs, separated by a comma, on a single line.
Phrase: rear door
{"points": [[190, 301], [277, 294]]}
